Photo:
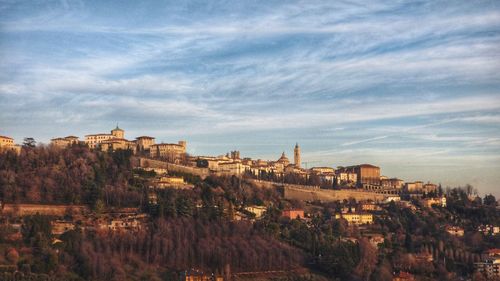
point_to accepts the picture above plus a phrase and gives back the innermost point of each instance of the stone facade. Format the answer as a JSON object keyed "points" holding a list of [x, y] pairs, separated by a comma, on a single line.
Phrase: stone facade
{"points": [[293, 214], [144, 143], [7, 144], [356, 218], [171, 152], [65, 142], [95, 140]]}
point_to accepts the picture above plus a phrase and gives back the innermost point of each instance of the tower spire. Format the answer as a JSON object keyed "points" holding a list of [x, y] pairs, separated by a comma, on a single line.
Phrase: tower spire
{"points": [[296, 155]]}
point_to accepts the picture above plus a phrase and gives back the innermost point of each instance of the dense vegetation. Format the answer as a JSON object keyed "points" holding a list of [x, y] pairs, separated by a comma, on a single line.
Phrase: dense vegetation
{"points": [[46, 174], [196, 228]]}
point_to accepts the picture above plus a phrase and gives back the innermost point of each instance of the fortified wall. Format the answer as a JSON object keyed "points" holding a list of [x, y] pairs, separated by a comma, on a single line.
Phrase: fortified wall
{"points": [[326, 195], [150, 163], [49, 210]]}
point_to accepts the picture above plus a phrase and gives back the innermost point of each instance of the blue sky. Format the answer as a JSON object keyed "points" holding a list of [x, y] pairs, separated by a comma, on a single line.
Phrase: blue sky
{"points": [[411, 86]]}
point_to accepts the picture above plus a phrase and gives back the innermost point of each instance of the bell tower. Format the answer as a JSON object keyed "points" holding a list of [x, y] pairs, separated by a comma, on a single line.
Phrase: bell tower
{"points": [[296, 155], [118, 133]]}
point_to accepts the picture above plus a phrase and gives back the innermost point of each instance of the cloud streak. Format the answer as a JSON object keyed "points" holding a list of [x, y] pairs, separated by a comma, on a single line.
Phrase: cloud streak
{"points": [[419, 79]]}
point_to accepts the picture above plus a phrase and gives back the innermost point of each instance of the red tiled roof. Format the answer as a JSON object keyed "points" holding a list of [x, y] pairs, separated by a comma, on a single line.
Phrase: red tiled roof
{"points": [[495, 251]]}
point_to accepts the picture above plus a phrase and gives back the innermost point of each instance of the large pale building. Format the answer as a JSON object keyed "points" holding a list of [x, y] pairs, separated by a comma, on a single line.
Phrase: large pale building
{"points": [[144, 143], [65, 142], [232, 168], [110, 142], [356, 218], [7, 143], [429, 187], [366, 174], [414, 187], [95, 140], [172, 152], [392, 183], [346, 178], [118, 143]]}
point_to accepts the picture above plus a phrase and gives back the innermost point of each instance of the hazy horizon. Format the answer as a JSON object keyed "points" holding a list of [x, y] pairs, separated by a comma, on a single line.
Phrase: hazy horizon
{"points": [[412, 88]]}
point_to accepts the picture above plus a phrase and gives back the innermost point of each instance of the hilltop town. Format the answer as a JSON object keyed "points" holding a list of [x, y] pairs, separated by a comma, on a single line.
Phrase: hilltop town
{"points": [[363, 177], [309, 222]]}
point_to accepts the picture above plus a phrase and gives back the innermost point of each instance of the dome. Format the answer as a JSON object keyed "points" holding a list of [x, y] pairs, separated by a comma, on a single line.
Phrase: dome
{"points": [[283, 159], [118, 128]]}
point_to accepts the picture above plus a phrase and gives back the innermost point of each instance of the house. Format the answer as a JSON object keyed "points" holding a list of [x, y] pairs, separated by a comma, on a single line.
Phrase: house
{"points": [[345, 210], [407, 205], [455, 231], [163, 182], [370, 207], [293, 214], [356, 218], [492, 252], [429, 202], [198, 275], [424, 257], [489, 229], [258, 211], [403, 276], [393, 198], [59, 227], [375, 239], [130, 223], [490, 266]]}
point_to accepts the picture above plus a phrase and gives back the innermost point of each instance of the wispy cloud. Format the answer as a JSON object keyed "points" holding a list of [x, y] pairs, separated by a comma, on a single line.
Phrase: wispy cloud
{"points": [[352, 76]]}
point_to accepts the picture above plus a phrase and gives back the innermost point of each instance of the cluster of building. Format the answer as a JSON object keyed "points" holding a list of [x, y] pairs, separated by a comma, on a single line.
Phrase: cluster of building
{"points": [[490, 264], [232, 164], [489, 229], [198, 275], [172, 152], [364, 177]]}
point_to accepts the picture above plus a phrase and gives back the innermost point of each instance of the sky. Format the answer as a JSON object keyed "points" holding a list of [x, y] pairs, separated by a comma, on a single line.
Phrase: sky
{"points": [[410, 86]]}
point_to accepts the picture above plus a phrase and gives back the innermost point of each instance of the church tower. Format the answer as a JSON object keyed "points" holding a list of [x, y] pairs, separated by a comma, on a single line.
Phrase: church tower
{"points": [[296, 155], [118, 133]]}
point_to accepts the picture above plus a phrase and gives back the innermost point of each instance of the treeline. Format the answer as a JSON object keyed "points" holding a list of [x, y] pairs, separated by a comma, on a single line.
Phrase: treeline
{"points": [[164, 248], [179, 244], [76, 175]]}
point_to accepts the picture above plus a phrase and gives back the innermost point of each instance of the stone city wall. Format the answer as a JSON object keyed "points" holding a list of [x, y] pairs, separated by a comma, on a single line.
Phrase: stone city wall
{"points": [[313, 194], [150, 163], [50, 210]]}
